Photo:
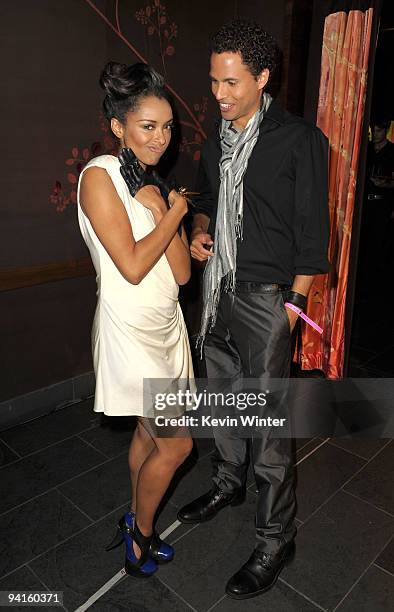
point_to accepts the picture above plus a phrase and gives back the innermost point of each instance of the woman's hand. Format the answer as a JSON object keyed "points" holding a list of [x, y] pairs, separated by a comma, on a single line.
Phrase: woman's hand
{"points": [[175, 199], [131, 170], [137, 177]]}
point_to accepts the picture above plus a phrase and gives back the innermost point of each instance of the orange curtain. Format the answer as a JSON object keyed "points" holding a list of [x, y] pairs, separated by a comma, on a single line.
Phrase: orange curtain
{"points": [[340, 114]]}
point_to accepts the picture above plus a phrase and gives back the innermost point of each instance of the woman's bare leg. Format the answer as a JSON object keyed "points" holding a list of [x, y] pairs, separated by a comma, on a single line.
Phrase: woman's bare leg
{"points": [[141, 447], [155, 475]]}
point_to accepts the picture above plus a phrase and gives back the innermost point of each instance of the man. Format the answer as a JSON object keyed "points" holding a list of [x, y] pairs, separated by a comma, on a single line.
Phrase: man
{"points": [[262, 227], [378, 208]]}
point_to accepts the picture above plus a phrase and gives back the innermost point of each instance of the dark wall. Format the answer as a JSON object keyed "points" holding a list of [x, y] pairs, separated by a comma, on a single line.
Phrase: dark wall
{"points": [[52, 54]]}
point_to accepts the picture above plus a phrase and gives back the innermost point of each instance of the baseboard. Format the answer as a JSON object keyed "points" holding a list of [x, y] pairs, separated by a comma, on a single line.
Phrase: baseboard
{"points": [[18, 410]]}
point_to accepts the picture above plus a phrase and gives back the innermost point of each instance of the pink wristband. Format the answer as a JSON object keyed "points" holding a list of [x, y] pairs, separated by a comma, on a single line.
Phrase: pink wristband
{"points": [[304, 316]]}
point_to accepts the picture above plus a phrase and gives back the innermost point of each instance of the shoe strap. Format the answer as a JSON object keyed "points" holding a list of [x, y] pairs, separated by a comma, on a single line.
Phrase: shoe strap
{"points": [[143, 542], [124, 528], [156, 541]]}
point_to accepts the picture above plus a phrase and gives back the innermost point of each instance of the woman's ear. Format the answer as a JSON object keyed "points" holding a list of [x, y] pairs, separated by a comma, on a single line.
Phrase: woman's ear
{"points": [[117, 128]]}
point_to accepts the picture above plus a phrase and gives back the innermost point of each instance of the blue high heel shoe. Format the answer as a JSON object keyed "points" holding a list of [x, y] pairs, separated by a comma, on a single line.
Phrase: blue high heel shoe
{"points": [[159, 551], [128, 532]]}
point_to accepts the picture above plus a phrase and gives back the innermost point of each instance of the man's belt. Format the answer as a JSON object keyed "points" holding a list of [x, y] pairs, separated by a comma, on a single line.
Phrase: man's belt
{"points": [[254, 287], [375, 196]]}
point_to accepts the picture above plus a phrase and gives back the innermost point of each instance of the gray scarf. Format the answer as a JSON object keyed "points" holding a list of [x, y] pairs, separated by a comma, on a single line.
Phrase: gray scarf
{"points": [[236, 150]]}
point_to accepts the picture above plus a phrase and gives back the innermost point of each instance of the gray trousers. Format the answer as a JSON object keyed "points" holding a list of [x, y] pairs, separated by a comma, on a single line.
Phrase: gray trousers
{"points": [[251, 339]]}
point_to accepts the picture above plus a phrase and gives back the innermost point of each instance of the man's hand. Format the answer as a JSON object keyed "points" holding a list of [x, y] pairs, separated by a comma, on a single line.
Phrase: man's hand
{"points": [[200, 244], [380, 182], [293, 316]]}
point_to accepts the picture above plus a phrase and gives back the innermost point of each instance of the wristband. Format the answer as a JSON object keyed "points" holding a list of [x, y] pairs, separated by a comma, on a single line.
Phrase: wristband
{"points": [[299, 300], [304, 316]]}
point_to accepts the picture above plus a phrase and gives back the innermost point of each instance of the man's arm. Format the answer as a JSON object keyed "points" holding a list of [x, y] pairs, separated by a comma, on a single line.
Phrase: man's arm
{"points": [[301, 284], [312, 227]]}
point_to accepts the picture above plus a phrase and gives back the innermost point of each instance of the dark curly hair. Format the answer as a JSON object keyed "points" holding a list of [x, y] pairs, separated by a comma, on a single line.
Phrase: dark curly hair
{"points": [[125, 86], [257, 47]]}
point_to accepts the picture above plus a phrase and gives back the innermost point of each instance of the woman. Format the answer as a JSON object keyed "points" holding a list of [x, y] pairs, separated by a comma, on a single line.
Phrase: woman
{"points": [[140, 259]]}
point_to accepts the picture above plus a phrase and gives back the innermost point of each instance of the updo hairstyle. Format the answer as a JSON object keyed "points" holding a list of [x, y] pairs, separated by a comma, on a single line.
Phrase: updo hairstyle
{"points": [[125, 86]]}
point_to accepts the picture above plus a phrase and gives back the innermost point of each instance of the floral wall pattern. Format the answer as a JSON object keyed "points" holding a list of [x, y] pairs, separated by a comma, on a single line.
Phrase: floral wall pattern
{"points": [[155, 19], [51, 106]]}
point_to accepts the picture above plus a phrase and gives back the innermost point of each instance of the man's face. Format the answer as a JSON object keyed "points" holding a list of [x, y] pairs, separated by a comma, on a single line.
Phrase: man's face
{"points": [[378, 134], [235, 88]]}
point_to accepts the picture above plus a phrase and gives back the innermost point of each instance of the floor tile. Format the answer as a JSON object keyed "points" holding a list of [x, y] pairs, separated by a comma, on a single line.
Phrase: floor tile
{"points": [[44, 470], [80, 566], [36, 527], [374, 592], [363, 447], [300, 443], [23, 580], [280, 598], [6, 455], [320, 475], [42, 432], [386, 558], [102, 489], [108, 440], [208, 555], [195, 478], [304, 449], [192, 479], [383, 361], [133, 595], [166, 518], [375, 482], [335, 547]]}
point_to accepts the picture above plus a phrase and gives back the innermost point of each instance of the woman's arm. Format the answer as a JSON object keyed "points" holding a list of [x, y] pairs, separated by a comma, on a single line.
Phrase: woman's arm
{"points": [[177, 254], [105, 211]]}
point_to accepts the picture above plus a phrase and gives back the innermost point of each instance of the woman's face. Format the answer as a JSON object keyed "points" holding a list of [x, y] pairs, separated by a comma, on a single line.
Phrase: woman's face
{"points": [[147, 130]]}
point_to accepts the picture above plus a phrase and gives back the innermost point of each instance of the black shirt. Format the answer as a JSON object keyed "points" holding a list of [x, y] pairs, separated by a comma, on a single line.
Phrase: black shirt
{"points": [[380, 164], [285, 213]]}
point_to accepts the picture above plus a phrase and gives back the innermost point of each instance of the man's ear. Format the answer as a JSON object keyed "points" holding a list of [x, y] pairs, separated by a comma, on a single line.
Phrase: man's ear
{"points": [[262, 78], [117, 128]]}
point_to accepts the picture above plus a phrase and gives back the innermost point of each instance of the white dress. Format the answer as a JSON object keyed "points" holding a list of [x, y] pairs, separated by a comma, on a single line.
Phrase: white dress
{"points": [[138, 330]]}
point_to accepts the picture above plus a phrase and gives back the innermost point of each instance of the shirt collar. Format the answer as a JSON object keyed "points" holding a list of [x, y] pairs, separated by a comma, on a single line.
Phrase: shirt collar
{"points": [[274, 117], [275, 113]]}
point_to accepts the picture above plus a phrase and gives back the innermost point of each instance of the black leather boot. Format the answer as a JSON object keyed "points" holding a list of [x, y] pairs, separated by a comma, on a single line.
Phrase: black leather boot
{"points": [[207, 506], [259, 573]]}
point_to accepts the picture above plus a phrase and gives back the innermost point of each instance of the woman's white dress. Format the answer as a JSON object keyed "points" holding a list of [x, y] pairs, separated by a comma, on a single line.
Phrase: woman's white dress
{"points": [[139, 334]]}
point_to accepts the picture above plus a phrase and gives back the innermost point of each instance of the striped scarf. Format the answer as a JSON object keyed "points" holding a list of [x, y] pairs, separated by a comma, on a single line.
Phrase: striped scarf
{"points": [[236, 150]]}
